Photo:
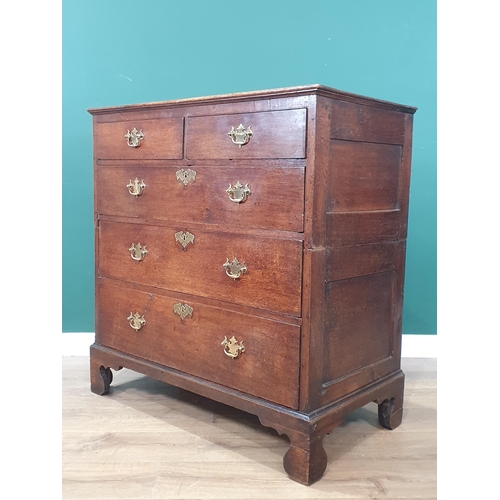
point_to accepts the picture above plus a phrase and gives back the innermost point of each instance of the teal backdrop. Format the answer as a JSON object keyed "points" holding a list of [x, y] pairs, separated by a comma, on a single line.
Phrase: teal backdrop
{"points": [[122, 52]]}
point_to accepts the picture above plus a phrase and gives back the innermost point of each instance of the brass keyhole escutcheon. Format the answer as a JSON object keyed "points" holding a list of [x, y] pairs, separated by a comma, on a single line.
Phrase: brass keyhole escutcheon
{"points": [[238, 192], [134, 138], [234, 269], [184, 238], [183, 310], [240, 135], [138, 252], [232, 347], [185, 176], [136, 187], [136, 321]]}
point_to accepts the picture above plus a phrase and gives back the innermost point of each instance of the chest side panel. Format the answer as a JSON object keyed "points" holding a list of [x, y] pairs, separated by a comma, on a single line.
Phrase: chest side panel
{"points": [[366, 217]]}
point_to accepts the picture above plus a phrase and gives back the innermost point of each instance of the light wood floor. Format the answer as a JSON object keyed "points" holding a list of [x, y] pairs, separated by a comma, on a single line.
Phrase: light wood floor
{"points": [[148, 440]]}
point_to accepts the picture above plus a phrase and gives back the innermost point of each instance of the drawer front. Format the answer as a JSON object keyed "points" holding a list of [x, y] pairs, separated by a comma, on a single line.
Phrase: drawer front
{"points": [[200, 194], [191, 339], [271, 280], [162, 139], [274, 134]]}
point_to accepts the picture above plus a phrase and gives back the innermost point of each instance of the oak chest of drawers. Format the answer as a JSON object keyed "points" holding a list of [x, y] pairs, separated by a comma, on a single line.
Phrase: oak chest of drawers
{"points": [[250, 248]]}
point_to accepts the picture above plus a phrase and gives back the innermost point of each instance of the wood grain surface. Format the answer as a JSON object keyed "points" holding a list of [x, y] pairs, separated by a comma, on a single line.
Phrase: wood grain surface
{"points": [[149, 440], [273, 190], [162, 139], [268, 368], [272, 280], [276, 134]]}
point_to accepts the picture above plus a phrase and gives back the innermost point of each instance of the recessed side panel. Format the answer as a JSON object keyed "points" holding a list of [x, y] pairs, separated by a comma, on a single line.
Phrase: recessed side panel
{"points": [[363, 303], [352, 122], [359, 321], [364, 176]]}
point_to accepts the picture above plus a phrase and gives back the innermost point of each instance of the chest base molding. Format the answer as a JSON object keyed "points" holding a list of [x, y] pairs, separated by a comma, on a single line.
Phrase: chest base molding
{"points": [[306, 459]]}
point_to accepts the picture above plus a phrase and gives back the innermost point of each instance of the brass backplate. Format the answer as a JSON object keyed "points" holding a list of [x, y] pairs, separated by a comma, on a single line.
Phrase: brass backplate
{"points": [[183, 310], [184, 238]]}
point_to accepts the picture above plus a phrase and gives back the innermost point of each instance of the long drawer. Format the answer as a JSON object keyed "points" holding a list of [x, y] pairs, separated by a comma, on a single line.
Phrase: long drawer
{"points": [[231, 196], [247, 353], [265, 273]]}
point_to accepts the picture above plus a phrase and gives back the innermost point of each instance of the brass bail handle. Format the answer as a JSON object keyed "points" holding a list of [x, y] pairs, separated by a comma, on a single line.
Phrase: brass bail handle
{"points": [[138, 252], [240, 135], [136, 321], [238, 193], [136, 187], [232, 347], [234, 269], [134, 137]]}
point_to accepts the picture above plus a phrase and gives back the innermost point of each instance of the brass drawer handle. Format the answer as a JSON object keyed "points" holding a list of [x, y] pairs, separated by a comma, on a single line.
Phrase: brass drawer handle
{"points": [[185, 176], [240, 135], [183, 310], [234, 269], [136, 188], [136, 321], [238, 192], [138, 252], [184, 238], [134, 138], [232, 347]]}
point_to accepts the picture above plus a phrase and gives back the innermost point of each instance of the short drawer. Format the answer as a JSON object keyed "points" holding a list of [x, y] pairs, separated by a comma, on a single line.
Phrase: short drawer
{"points": [[234, 197], [269, 134], [259, 356], [182, 259], [139, 139]]}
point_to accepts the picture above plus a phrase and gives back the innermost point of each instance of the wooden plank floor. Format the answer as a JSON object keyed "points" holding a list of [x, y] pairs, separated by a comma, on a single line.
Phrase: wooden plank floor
{"points": [[148, 440]]}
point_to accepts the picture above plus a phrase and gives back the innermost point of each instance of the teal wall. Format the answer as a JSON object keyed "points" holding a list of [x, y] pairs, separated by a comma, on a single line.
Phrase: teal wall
{"points": [[121, 52]]}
